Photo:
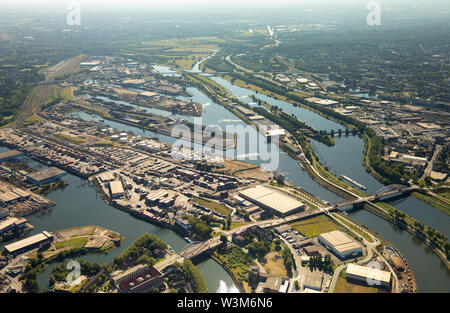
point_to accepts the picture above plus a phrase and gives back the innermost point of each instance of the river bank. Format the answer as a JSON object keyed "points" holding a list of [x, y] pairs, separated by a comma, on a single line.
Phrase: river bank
{"points": [[80, 204], [406, 245]]}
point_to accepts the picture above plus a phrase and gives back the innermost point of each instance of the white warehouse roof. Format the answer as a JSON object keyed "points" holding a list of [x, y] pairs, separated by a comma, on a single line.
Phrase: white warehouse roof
{"points": [[272, 199]]}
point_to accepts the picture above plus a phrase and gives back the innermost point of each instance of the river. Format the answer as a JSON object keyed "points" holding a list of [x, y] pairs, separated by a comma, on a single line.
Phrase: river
{"points": [[346, 158], [343, 158]]}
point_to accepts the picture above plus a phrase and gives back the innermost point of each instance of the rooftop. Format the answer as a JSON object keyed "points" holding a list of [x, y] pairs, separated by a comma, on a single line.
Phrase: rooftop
{"points": [[8, 222], [10, 154], [143, 277], [46, 174], [340, 241], [28, 241], [272, 198], [116, 187], [369, 273], [8, 196]]}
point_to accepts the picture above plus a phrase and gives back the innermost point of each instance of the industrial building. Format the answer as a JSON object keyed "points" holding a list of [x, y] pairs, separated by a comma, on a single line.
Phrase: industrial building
{"points": [[10, 155], [12, 223], [106, 177], [7, 224], [29, 243], [138, 279], [314, 280], [272, 199], [341, 244], [368, 275], [46, 176], [8, 197], [116, 189], [283, 229]]}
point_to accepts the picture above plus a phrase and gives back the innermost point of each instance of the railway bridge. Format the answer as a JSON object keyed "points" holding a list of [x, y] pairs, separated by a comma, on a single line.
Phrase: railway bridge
{"points": [[385, 192]]}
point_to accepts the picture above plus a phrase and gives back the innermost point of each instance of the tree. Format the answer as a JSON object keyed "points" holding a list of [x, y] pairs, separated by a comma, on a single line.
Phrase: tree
{"points": [[259, 249], [194, 276], [224, 240], [228, 221]]}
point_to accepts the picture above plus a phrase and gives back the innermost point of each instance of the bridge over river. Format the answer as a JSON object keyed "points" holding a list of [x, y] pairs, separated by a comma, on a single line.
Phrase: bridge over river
{"points": [[386, 191], [197, 248]]}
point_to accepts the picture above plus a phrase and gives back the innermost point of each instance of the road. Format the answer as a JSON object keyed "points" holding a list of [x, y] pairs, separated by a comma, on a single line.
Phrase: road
{"points": [[429, 168], [14, 281], [371, 253]]}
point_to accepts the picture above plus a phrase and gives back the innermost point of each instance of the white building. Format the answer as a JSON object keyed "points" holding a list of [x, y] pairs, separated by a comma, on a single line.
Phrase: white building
{"points": [[341, 244], [368, 275]]}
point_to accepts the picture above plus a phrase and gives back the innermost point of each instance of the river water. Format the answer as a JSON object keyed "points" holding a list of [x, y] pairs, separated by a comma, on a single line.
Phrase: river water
{"points": [[346, 158], [343, 158], [79, 204]]}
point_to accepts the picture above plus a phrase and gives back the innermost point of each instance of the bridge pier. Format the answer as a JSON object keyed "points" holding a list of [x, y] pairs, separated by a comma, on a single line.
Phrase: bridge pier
{"points": [[358, 206]]}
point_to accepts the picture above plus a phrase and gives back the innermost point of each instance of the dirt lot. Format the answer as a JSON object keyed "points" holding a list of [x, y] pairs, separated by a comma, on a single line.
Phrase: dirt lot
{"points": [[247, 170], [275, 265]]}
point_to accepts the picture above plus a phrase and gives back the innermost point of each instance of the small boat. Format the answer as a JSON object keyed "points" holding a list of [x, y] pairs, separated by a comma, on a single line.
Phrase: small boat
{"points": [[188, 240]]}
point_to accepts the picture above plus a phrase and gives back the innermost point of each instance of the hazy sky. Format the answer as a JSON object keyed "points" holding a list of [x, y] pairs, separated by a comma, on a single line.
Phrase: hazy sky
{"points": [[191, 3], [141, 6]]}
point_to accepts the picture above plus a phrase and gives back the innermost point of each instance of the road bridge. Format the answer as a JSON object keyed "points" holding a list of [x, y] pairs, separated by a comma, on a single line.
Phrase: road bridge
{"points": [[386, 191]]}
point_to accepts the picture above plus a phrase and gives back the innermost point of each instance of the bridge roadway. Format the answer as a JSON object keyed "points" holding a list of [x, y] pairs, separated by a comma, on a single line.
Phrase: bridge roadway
{"points": [[199, 248], [370, 198]]}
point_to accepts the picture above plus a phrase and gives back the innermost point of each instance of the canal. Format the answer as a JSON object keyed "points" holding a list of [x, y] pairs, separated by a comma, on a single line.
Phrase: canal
{"points": [[346, 158], [79, 204], [343, 158]]}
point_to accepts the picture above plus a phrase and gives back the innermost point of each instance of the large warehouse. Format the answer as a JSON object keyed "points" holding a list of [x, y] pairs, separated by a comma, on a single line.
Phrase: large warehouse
{"points": [[116, 189], [46, 176], [368, 275], [29, 243], [341, 244], [272, 199], [10, 155]]}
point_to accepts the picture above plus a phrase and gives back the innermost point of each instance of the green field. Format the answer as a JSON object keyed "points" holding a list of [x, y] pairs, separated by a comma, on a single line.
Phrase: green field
{"points": [[315, 226], [355, 229], [72, 243], [216, 207]]}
